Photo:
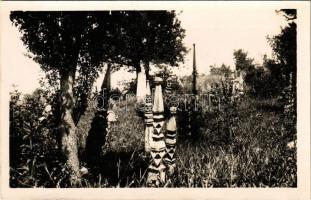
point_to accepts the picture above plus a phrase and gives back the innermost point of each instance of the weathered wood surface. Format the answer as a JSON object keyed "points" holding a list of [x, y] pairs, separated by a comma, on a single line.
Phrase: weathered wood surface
{"points": [[156, 170], [171, 130], [161, 134], [148, 117], [141, 85]]}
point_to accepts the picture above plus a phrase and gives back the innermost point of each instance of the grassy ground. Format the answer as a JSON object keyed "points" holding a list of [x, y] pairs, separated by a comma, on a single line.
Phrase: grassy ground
{"points": [[260, 153]]}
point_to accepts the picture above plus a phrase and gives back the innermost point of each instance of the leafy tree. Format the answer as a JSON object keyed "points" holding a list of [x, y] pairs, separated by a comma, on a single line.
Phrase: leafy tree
{"points": [[156, 37], [284, 48], [33, 146], [242, 62], [223, 70], [289, 14], [256, 77], [277, 74], [66, 44]]}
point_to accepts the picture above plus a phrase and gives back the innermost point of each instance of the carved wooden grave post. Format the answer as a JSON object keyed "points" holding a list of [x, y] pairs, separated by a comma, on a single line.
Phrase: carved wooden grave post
{"points": [[141, 85], [171, 130], [107, 87], [156, 170], [99, 131], [148, 118]]}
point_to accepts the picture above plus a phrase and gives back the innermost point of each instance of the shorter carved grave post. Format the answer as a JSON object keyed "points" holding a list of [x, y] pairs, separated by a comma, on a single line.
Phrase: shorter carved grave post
{"points": [[148, 118]]}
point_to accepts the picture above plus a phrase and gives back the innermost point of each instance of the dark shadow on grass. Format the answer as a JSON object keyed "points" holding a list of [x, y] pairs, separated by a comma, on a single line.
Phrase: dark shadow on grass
{"points": [[96, 138], [122, 169]]}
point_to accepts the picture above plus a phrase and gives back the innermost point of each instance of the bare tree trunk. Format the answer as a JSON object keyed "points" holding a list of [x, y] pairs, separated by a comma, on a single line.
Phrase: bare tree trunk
{"points": [[68, 127]]}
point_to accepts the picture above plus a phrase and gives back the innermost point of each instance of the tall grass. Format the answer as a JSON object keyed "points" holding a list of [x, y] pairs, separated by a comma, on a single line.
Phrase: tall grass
{"points": [[258, 155]]}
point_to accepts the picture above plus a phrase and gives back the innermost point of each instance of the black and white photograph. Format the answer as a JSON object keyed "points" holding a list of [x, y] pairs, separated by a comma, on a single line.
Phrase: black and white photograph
{"points": [[198, 96]]}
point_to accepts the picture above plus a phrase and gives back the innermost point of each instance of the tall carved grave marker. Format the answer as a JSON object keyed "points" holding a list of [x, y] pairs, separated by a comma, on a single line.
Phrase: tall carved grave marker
{"points": [[156, 170]]}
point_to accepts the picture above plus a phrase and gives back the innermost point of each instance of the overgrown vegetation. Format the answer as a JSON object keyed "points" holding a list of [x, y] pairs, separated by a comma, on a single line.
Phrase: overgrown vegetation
{"points": [[260, 154]]}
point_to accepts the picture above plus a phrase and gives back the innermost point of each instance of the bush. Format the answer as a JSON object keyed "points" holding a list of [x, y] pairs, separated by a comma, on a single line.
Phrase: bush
{"points": [[194, 112], [34, 156]]}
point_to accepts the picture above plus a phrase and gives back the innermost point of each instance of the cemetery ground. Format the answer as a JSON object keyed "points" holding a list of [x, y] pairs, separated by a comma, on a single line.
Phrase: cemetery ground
{"points": [[261, 152]]}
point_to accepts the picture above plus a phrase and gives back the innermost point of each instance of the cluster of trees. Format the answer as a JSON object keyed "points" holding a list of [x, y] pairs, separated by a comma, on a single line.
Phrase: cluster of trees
{"points": [[72, 48], [276, 75], [223, 70]]}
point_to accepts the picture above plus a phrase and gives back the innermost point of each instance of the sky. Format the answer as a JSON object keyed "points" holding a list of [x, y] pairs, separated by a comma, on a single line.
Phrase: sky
{"points": [[216, 33]]}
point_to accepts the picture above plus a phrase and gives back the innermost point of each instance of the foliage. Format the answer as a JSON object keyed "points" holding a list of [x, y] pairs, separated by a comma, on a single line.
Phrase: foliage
{"points": [[156, 36], [64, 43], [284, 47], [258, 156], [255, 77], [242, 62], [60, 40], [259, 80], [271, 79], [220, 102], [166, 73], [223, 70], [34, 156], [78, 41]]}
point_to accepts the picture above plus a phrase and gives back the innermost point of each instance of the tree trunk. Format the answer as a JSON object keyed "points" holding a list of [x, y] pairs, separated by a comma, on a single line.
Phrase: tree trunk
{"points": [[68, 127]]}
